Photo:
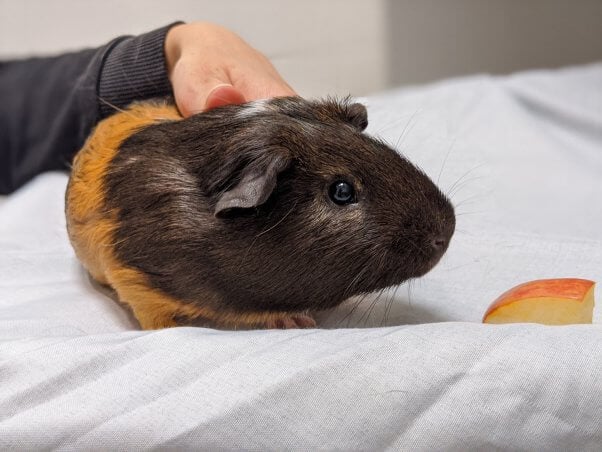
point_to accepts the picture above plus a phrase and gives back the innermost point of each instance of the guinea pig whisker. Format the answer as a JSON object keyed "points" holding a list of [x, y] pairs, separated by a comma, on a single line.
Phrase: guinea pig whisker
{"points": [[362, 272], [468, 200], [388, 125], [115, 107], [390, 305], [348, 313], [409, 291], [242, 261], [361, 300], [371, 307], [356, 303], [461, 185], [371, 303], [388, 302], [368, 312], [450, 189], [451, 146], [408, 127], [476, 212], [278, 222], [396, 122], [394, 297]]}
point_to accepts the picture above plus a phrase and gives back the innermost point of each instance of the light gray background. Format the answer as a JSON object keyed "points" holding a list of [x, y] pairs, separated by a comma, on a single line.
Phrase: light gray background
{"points": [[337, 46]]}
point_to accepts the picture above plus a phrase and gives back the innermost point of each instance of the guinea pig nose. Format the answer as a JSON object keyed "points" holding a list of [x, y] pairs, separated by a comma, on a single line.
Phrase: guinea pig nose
{"points": [[439, 243]]}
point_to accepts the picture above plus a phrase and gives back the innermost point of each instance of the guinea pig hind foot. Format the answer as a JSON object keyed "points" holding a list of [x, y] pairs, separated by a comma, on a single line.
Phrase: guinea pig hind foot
{"points": [[279, 321], [290, 321]]}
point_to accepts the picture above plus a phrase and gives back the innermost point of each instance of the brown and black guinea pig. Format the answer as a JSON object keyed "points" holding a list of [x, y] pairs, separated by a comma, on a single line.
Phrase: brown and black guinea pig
{"points": [[249, 215]]}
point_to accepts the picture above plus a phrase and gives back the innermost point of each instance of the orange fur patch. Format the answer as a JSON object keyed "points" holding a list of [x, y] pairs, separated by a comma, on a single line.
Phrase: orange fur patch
{"points": [[91, 227], [89, 223]]}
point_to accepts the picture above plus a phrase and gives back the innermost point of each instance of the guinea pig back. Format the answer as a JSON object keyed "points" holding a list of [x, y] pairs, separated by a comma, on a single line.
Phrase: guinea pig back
{"points": [[251, 215]]}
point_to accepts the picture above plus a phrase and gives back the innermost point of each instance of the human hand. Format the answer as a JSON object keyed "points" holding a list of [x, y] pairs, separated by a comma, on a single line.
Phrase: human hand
{"points": [[210, 66]]}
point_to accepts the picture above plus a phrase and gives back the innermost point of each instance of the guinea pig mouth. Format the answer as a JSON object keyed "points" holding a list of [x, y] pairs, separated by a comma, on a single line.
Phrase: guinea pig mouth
{"points": [[427, 266], [423, 255]]}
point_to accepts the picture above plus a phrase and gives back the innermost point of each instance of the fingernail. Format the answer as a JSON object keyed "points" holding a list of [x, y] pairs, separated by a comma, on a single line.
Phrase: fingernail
{"points": [[223, 94]]}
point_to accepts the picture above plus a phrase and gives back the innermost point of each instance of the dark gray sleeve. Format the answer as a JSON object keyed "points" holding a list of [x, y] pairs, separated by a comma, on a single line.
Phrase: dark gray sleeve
{"points": [[48, 106]]}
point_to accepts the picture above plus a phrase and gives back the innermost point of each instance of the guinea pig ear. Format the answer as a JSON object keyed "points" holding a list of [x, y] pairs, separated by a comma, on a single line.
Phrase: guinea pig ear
{"points": [[357, 116], [257, 182]]}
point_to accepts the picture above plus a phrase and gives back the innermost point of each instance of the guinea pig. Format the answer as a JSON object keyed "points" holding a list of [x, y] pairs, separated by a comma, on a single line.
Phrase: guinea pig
{"points": [[249, 216]]}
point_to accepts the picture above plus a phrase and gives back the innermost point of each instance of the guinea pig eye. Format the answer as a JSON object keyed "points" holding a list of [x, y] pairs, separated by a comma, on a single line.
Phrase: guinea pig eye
{"points": [[342, 193]]}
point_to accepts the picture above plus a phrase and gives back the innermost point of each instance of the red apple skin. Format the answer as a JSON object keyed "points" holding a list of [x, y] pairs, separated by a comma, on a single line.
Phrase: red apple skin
{"points": [[568, 288]]}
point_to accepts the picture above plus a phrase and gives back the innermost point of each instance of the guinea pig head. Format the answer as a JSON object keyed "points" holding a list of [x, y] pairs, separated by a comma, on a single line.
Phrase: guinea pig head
{"points": [[280, 205]]}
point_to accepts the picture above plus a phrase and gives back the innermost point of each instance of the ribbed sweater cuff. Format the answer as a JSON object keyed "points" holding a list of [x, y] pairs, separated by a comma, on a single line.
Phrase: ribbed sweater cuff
{"points": [[134, 69]]}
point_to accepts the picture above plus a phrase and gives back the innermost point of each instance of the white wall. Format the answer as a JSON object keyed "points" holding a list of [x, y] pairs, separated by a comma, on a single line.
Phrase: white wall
{"points": [[337, 46], [432, 39], [320, 47]]}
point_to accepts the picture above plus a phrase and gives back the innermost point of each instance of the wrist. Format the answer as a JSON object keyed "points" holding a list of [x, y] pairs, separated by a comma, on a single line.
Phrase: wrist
{"points": [[134, 69], [173, 46]]}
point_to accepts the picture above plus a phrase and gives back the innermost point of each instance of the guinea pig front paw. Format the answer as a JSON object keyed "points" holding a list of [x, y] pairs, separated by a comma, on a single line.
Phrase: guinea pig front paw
{"points": [[291, 321]]}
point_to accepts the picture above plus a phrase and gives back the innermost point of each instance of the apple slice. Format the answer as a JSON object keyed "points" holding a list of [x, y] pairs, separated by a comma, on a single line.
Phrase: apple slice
{"points": [[549, 301]]}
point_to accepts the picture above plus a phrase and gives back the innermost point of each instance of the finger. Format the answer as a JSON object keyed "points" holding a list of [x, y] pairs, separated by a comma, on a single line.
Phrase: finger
{"points": [[224, 94], [196, 90], [192, 87]]}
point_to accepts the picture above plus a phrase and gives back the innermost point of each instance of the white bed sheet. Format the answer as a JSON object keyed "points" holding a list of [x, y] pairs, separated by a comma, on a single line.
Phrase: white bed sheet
{"points": [[413, 369]]}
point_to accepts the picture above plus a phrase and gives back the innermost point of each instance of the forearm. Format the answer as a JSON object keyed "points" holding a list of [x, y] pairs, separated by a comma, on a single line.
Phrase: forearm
{"points": [[49, 105]]}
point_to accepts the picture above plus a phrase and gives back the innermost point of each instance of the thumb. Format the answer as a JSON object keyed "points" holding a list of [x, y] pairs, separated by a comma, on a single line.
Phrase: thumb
{"points": [[223, 94], [194, 93], [195, 99]]}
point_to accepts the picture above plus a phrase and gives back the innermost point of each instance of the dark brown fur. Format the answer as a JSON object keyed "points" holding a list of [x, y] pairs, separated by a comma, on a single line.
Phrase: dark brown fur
{"points": [[229, 210]]}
